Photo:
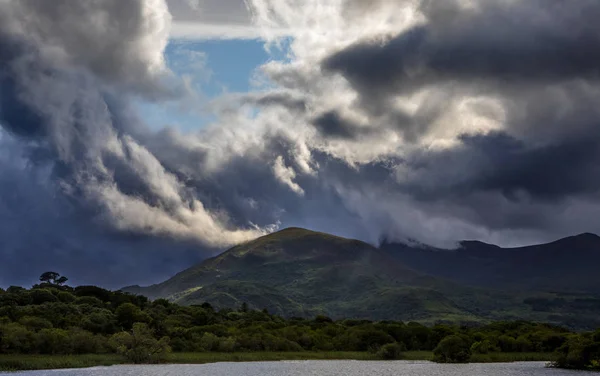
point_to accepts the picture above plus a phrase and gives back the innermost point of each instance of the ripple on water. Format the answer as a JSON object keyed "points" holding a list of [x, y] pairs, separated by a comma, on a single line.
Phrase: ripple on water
{"points": [[316, 368]]}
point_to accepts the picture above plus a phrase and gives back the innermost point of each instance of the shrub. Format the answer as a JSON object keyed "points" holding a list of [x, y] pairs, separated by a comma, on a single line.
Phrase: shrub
{"points": [[579, 352], [452, 349], [54, 341], [41, 296], [209, 342], [84, 342], [35, 323], [140, 346], [227, 344], [66, 297], [483, 347], [15, 338], [391, 351]]}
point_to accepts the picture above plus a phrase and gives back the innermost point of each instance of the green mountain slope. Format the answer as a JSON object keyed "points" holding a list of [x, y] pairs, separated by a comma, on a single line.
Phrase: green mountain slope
{"points": [[303, 273], [296, 272]]}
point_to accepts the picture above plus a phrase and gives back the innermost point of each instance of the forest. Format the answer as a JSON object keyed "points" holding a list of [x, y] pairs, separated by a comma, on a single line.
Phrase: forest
{"points": [[52, 318]]}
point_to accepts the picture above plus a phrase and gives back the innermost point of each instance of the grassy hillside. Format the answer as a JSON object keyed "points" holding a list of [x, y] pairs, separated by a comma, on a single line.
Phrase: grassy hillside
{"points": [[296, 272]]}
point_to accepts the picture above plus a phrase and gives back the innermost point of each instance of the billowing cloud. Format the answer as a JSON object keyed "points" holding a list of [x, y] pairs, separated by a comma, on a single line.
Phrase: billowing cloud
{"points": [[427, 120], [481, 112], [65, 88], [286, 175]]}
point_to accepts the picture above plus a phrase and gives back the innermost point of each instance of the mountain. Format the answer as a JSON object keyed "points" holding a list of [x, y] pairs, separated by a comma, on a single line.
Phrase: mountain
{"points": [[566, 265], [296, 272]]}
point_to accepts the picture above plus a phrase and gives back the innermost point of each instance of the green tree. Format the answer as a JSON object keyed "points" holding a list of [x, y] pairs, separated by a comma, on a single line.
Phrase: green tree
{"points": [[128, 314], [41, 296], [209, 342], [65, 297], [579, 352], [35, 323], [452, 349], [140, 346], [483, 347], [100, 321]]}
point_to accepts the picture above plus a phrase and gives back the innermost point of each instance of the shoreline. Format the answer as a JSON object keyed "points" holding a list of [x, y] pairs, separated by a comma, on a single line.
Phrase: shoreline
{"points": [[10, 363]]}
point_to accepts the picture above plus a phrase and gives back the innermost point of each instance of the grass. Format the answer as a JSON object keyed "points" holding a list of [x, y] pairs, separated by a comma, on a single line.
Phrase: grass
{"points": [[512, 357], [39, 362], [201, 358]]}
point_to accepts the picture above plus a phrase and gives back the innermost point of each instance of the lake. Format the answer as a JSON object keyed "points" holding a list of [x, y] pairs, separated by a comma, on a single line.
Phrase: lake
{"points": [[315, 368]]}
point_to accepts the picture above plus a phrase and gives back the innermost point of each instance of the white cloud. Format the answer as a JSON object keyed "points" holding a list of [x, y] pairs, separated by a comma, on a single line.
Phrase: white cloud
{"points": [[213, 31], [286, 175]]}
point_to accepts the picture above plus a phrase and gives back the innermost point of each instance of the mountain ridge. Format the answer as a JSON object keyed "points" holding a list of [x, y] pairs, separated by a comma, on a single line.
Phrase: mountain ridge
{"points": [[564, 264], [298, 272]]}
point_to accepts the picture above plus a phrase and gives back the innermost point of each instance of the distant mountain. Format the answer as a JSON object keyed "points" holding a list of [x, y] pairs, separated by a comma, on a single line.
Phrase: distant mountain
{"points": [[300, 272], [566, 265], [296, 272]]}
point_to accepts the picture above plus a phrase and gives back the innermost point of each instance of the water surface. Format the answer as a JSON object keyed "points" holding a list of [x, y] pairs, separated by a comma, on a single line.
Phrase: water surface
{"points": [[316, 368]]}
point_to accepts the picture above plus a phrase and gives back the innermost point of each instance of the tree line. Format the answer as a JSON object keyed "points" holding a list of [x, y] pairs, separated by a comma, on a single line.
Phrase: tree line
{"points": [[52, 318]]}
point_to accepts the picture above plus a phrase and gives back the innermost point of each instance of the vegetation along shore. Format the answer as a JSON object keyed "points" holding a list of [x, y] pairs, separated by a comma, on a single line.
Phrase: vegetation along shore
{"points": [[56, 326]]}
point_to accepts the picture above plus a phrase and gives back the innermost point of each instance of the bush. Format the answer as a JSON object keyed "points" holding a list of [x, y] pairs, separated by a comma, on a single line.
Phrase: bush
{"points": [[101, 321], [54, 341], [483, 347], [227, 344], [127, 314], [452, 349], [209, 342], [579, 352], [35, 323], [391, 351], [41, 296], [140, 346], [89, 300], [66, 297], [15, 338], [84, 342]]}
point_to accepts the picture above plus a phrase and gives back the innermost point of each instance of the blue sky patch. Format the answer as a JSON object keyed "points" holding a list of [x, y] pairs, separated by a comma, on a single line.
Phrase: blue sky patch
{"points": [[211, 69]]}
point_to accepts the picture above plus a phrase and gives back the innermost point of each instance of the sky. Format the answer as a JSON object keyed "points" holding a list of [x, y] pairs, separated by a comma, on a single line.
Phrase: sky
{"points": [[139, 137]]}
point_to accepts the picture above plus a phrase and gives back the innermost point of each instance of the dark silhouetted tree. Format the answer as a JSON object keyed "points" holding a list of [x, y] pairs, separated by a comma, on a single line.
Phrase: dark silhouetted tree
{"points": [[53, 278], [61, 281]]}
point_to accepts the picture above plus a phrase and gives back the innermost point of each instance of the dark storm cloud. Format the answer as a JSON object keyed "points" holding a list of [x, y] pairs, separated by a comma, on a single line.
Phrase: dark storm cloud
{"points": [[331, 124], [517, 52], [78, 167], [548, 172], [42, 229], [92, 34], [497, 162], [13, 110], [534, 41], [88, 189], [79, 189]]}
